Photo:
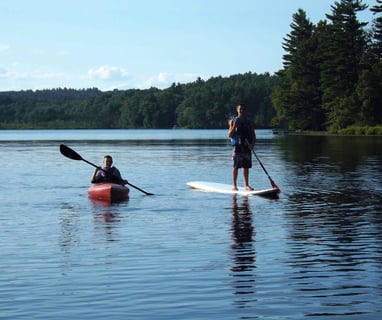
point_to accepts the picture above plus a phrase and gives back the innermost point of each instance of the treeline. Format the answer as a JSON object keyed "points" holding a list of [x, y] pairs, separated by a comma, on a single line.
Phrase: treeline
{"points": [[332, 71], [52, 95], [200, 104]]}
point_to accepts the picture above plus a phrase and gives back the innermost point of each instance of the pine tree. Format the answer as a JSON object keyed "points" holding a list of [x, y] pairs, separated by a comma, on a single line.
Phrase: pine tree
{"points": [[342, 48], [377, 29], [297, 98], [369, 87]]}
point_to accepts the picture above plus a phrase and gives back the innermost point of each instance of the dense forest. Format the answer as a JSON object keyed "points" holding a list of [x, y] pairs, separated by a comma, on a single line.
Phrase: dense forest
{"points": [[332, 75], [331, 80], [201, 104]]}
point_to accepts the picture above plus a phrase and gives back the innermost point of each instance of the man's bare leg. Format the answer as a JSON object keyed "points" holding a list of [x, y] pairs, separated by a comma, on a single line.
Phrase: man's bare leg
{"points": [[246, 179], [234, 178]]}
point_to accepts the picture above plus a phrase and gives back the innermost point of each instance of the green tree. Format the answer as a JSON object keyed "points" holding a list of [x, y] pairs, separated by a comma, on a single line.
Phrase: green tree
{"points": [[201, 104], [342, 48], [369, 90], [369, 87], [297, 97], [377, 30], [168, 101]]}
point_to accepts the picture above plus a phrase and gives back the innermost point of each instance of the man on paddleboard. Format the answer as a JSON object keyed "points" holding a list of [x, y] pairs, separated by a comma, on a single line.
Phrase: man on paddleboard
{"points": [[108, 173], [242, 134]]}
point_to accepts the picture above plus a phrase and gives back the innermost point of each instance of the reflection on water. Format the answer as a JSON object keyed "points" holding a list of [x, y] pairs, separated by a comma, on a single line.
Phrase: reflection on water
{"points": [[316, 251], [69, 232], [107, 218], [330, 255], [243, 251]]}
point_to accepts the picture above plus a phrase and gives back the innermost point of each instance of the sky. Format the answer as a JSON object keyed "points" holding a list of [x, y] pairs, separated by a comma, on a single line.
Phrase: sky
{"points": [[138, 44]]}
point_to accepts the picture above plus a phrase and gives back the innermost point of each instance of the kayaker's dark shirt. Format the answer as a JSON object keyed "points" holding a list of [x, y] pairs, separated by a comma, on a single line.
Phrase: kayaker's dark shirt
{"points": [[108, 175]]}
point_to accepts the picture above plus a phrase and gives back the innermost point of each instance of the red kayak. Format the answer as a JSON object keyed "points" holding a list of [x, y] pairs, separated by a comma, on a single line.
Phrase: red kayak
{"points": [[108, 191]]}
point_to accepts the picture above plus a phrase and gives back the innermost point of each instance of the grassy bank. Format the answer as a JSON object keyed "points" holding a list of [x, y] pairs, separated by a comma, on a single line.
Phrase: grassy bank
{"points": [[352, 130], [362, 130]]}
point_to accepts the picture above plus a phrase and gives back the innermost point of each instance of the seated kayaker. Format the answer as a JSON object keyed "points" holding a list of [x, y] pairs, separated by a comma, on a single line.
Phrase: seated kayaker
{"points": [[108, 173]]}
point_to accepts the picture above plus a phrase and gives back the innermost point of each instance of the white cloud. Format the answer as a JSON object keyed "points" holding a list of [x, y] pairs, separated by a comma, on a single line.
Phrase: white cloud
{"points": [[8, 74], [20, 80], [4, 47], [107, 73], [105, 78], [3, 72], [15, 75], [164, 79]]}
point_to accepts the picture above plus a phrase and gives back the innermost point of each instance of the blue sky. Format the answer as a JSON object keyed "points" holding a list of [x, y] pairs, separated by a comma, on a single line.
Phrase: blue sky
{"points": [[126, 44]]}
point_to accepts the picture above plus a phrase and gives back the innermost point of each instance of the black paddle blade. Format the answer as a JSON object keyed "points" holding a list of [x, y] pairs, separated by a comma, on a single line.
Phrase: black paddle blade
{"points": [[69, 153]]}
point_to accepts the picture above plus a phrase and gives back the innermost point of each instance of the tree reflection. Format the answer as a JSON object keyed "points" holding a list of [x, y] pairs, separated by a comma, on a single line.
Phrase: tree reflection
{"points": [[243, 252]]}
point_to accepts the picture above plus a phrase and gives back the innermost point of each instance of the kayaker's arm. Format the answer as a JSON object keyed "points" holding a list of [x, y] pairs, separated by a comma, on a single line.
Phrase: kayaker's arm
{"points": [[94, 177], [117, 174], [110, 176]]}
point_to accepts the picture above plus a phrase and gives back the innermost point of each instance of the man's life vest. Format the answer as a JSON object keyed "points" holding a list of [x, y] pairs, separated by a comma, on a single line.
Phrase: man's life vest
{"points": [[242, 134]]}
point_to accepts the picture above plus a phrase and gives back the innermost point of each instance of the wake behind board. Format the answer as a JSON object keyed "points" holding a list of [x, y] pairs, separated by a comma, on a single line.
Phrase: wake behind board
{"points": [[227, 188]]}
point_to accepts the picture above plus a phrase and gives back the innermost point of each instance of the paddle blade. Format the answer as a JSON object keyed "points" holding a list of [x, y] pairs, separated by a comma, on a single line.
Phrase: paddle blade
{"points": [[273, 184], [69, 153]]}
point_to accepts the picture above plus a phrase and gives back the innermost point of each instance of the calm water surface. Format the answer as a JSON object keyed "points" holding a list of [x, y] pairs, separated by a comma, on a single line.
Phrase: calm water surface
{"points": [[182, 254]]}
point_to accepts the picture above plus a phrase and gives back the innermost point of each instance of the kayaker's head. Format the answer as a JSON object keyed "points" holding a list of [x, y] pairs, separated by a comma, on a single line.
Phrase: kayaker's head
{"points": [[107, 161]]}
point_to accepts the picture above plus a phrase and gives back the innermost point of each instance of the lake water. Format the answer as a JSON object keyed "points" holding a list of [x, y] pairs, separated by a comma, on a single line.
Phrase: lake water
{"points": [[316, 252]]}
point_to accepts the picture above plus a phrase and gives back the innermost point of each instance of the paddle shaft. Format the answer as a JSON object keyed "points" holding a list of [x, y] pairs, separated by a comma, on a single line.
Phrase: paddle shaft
{"points": [[71, 154], [92, 164], [261, 163], [135, 187], [273, 184]]}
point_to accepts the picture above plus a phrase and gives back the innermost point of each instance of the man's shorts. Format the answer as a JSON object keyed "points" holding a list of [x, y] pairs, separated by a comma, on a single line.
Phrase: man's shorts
{"points": [[242, 157]]}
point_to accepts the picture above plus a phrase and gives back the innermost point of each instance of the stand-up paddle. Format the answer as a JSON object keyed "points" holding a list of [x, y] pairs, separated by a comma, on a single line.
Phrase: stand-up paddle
{"points": [[71, 154], [273, 184]]}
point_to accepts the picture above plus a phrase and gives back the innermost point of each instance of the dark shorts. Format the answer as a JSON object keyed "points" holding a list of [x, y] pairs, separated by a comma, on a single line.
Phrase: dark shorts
{"points": [[242, 157]]}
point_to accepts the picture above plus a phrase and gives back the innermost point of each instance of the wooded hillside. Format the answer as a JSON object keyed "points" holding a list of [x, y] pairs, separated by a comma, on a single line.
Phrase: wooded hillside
{"points": [[201, 104]]}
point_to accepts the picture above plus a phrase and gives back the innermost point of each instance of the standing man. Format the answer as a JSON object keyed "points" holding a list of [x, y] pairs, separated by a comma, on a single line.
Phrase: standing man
{"points": [[241, 131]]}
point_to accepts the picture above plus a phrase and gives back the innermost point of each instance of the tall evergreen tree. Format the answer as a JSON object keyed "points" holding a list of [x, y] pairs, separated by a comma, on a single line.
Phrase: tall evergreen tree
{"points": [[377, 29], [297, 98], [342, 48], [369, 87]]}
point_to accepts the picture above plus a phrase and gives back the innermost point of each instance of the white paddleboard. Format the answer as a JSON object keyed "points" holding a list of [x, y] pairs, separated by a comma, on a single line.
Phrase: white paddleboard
{"points": [[227, 188]]}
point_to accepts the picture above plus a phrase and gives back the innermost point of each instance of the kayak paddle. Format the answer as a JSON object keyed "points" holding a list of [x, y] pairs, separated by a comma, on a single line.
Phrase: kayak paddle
{"points": [[71, 154]]}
